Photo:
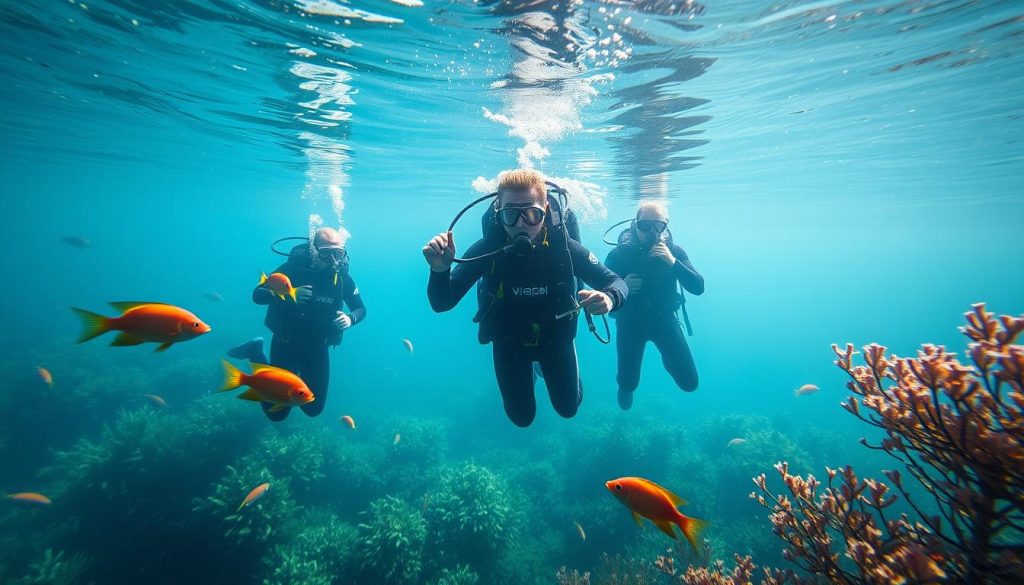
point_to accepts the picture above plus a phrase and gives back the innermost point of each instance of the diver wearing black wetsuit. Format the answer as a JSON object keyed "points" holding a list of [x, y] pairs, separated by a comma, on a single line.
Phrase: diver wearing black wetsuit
{"points": [[521, 322], [303, 330], [521, 294], [650, 314]]}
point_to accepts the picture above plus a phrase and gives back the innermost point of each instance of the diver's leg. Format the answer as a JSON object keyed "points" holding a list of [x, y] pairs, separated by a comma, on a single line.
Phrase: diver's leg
{"points": [[282, 355], [629, 347], [513, 367], [316, 373], [562, 377], [251, 350], [675, 354]]}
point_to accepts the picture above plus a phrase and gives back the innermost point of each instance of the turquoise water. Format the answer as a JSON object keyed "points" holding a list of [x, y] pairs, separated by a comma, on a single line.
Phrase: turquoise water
{"points": [[838, 172]]}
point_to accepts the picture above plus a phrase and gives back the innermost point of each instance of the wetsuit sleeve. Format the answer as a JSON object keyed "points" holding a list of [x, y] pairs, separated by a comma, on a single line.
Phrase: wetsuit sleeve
{"points": [[262, 295], [684, 271], [446, 289], [597, 275], [354, 302]]}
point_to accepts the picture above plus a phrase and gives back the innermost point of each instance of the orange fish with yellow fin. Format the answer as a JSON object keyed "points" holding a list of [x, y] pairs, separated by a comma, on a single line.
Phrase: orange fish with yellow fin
{"points": [[270, 384], [280, 285], [646, 499], [141, 322]]}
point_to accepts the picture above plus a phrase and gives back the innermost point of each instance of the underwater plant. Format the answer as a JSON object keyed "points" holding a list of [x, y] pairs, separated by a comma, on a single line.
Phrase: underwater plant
{"points": [[615, 570], [410, 464], [471, 518], [958, 430], [390, 543], [55, 569], [317, 551], [255, 523], [460, 575], [138, 479]]}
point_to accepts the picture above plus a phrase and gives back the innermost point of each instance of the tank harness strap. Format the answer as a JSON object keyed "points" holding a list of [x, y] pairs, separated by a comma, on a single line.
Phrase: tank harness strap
{"points": [[686, 317]]}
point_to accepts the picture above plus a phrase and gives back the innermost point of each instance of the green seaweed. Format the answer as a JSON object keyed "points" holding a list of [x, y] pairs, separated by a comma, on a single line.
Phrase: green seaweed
{"points": [[472, 518], [55, 568], [460, 575], [391, 542], [317, 552]]}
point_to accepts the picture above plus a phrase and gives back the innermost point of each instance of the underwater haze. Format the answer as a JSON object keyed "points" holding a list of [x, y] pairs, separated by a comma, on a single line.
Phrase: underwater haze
{"points": [[838, 171]]}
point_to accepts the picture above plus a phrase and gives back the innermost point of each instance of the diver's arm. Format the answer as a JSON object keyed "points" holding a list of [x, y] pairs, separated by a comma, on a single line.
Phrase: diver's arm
{"points": [[262, 295], [597, 275], [446, 289], [356, 308], [685, 273]]}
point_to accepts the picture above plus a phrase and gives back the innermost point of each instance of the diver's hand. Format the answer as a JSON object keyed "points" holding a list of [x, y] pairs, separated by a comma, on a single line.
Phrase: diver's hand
{"points": [[595, 302], [661, 252], [634, 282], [342, 321], [303, 293], [440, 252]]}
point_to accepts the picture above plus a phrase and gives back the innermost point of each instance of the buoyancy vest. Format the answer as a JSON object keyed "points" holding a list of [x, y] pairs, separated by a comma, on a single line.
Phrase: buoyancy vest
{"points": [[518, 297]]}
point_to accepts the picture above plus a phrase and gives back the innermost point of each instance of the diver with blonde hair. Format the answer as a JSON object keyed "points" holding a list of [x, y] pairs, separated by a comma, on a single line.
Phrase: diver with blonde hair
{"points": [[528, 297]]}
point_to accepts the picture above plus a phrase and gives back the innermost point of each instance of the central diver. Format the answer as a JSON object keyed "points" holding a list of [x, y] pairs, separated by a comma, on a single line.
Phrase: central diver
{"points": [[527, 264]]}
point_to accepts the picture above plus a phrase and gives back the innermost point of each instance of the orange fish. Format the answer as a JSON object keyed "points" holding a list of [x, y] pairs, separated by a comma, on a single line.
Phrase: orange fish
{"points": [[279, 284], [278, 386], [349, 421], [645, 498], [256, 493], [407, 344], [806, 389], [142, 322], [45, 375], [156, 400], [29, 498]]}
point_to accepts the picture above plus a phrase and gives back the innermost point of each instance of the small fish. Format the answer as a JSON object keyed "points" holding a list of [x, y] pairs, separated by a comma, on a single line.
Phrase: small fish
{"points": [[398, 438], [736, 441], [77, 241], [29, 498], [45, 376], [256, 493], [806, 389], [156, 400], [407, 344], [270, 384], [645, 498], [142, 322], [280, 285], [213, 296], [351, 422], [579, 530]]}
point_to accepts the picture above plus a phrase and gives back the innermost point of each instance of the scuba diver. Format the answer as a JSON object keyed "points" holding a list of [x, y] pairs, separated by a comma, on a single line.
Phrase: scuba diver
{"points": [[306, 325], [652, 264], [528, 265]]}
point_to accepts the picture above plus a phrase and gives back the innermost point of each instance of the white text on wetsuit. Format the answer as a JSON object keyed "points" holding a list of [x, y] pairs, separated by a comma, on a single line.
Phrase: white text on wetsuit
{"points": [[528, 291]]}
